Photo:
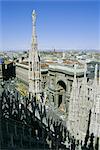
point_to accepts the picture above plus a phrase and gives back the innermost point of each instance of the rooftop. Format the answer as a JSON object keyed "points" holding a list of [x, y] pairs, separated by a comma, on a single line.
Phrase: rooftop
{"points": [[67, 69]]}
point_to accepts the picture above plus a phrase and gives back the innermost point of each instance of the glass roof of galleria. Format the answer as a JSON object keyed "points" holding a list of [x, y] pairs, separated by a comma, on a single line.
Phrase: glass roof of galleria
{"points": [[67, 69]]}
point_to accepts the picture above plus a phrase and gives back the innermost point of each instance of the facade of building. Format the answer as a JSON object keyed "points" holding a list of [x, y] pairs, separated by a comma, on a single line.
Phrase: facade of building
{"points": [[7, 69], [60, 84], [22, 71]]}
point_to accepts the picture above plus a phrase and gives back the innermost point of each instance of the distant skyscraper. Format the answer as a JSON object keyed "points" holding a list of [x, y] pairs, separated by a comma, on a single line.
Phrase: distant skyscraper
{"points": [[34, 61]]}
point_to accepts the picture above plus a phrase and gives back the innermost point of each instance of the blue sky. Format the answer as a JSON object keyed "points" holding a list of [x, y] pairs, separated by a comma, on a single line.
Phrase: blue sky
{"points": [[60, 24]]}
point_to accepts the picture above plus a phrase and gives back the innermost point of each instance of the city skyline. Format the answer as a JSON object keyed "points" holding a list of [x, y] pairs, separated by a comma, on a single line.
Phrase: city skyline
{"points": [[59, 25]]}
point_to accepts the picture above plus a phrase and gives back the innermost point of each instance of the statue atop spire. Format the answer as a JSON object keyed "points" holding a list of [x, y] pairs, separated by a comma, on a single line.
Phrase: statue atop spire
{"points": [[34, 20], [34, 16], [34, 37]]}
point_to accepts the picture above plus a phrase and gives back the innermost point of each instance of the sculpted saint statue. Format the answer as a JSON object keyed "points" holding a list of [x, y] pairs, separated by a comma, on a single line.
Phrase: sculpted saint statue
{"points": [[34, 17]]}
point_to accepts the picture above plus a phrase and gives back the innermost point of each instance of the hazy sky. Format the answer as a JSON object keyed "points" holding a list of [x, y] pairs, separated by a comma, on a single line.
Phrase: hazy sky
{"points": [[60, 24]]}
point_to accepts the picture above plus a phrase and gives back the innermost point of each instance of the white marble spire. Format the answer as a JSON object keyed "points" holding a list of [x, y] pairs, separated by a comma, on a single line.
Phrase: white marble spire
{"points": [[95, 117], [96, 70], [99, 76], [95, 86], [73, 107], [85, 79], [34, 61]]}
